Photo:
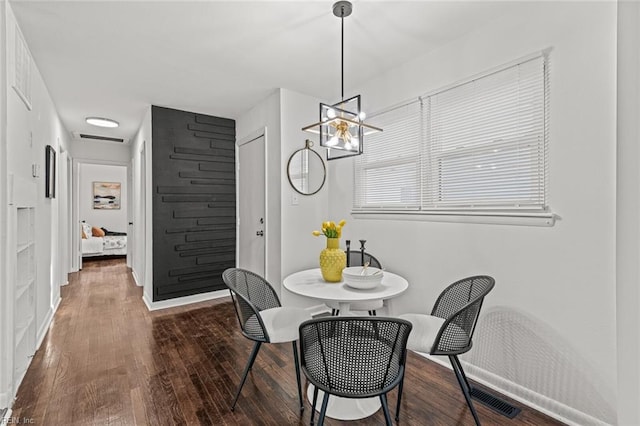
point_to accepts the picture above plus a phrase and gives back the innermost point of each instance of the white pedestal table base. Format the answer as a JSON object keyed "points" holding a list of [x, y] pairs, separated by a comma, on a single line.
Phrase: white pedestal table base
{"points": [[345, 408]]}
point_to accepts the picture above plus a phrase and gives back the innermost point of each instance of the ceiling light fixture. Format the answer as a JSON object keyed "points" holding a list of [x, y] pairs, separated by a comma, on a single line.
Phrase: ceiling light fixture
{"points": [[341, 126], [102, 122]]}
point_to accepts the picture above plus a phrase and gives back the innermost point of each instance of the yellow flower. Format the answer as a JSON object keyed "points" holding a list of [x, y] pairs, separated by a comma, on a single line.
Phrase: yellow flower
{"points": [[330, 229]]}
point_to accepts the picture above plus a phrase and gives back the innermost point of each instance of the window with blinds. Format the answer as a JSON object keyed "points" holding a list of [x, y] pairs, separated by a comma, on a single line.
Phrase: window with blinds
{"points": [[478, 145]]}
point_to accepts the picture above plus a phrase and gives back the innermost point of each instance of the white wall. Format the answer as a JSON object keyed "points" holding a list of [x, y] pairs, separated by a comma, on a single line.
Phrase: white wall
{"points": [[5, 321], [628, 212], [100, 152], [27, 134], [300, 249], [548, 330], [113, 220]]}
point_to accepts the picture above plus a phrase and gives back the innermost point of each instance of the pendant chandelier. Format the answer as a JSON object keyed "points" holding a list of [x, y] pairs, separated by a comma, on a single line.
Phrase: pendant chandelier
{"points": [[341, 126]]}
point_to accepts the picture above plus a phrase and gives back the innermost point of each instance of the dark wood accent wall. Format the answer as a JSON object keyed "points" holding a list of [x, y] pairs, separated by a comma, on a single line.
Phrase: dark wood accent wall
{"points": [[194, 202]]}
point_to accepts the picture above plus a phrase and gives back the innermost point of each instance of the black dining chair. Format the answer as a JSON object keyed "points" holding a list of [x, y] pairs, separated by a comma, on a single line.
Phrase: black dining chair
{"points": [[353, 357], [358, 258], [449, 329], [262, 318]]}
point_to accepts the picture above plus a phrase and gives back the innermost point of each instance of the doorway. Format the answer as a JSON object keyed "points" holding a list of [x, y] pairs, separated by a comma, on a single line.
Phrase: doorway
{"points": [[251, 205], [101, 209]]}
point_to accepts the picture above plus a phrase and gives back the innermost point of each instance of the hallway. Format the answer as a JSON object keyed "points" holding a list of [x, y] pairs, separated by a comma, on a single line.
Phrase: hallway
{"points": [[107, 360]]}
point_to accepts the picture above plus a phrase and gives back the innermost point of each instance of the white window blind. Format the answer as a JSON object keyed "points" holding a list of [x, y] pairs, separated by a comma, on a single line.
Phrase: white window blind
{"points": [[388, 173], [479, 145]]}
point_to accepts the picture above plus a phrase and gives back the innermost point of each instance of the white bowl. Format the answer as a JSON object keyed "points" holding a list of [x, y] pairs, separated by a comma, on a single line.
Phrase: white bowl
{"points": [[357, 277]]}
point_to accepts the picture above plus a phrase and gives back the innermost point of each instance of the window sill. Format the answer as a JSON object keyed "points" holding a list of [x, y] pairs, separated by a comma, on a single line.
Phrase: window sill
{"points": [[490, 218]]}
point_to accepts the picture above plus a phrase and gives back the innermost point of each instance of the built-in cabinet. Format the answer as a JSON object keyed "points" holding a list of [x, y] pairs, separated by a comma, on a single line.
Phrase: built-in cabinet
{"points": [[24, 296]]}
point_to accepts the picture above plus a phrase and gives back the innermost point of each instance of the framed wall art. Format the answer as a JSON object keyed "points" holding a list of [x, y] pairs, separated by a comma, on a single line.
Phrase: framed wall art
{"points": [[106, 195]]}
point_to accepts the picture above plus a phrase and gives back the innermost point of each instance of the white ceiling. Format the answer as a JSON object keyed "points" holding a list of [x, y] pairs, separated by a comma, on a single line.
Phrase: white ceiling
{"points": [[114, 58]]}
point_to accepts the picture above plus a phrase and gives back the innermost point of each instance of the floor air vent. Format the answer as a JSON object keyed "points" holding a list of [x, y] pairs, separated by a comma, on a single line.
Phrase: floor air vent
{"points": [[100, 138], [496, 404]]}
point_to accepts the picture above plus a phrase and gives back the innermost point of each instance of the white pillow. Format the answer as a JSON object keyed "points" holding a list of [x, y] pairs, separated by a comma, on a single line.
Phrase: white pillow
{"points": [[86, 228]]}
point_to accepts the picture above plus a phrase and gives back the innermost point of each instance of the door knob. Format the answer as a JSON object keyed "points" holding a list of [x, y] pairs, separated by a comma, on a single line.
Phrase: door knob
{"points": [[260, 233]]}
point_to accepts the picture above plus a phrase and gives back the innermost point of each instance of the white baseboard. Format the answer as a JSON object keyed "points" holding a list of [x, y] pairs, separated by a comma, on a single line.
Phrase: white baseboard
{"points": [[44, 327], [135, 278], [181, 301], [555, 409]]}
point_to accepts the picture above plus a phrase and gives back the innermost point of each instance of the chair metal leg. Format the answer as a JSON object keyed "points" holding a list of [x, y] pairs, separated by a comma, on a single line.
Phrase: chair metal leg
{"points": [[252, 358], [385, 408], [313, 406], [323, 410], [464, 385], [400, 385], [297, 364], [464, 376]]}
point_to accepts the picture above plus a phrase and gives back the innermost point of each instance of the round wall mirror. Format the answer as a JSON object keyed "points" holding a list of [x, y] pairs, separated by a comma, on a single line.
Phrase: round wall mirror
{"points": [[306, 170]]}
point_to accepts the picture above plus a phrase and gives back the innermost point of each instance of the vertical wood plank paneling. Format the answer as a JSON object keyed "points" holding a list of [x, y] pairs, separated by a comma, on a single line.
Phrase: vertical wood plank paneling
{"points": [[194, 203]]}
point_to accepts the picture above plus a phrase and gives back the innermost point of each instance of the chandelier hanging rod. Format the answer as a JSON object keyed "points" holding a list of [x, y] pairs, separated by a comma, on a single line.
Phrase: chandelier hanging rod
{"points": [[342, 54], [342, 9]]}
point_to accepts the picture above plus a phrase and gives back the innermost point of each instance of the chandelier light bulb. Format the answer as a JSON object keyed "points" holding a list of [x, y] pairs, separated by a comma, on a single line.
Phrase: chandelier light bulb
{"points": [[333, 141], [362, 115], [331, 113]]}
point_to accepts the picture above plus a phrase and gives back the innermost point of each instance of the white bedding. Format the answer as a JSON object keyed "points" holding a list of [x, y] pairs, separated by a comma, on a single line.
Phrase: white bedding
{"points": [[104, 246], [92, 245]]}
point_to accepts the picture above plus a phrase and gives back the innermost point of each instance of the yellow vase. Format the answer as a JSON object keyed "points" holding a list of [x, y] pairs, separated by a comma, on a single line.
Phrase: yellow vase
{"points": [[332, 261]]}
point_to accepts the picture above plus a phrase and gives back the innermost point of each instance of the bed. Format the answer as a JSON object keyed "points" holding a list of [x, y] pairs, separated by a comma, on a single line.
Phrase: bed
{"points": [[109, 244]]}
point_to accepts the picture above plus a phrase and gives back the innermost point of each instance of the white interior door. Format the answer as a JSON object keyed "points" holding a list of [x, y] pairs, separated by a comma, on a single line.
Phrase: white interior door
{"points": [[251, 206]]}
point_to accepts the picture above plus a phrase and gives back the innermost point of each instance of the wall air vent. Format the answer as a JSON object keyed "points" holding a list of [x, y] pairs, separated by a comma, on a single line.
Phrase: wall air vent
{"points": [[100, 138]]}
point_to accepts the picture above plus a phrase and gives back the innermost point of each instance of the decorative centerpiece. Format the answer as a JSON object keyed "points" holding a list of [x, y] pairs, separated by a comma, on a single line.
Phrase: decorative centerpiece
{"points": [[362, 277], [332, 259]]}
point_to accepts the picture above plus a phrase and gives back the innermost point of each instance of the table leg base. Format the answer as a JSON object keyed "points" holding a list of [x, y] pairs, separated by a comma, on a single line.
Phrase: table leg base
{"points": [[346, 408]]}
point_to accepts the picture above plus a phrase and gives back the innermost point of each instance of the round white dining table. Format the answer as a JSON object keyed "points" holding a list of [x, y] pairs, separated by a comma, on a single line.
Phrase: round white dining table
{"points": [[310, 283]]}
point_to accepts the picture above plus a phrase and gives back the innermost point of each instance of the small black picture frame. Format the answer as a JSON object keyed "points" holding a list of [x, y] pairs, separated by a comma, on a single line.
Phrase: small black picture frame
{"points": [[50, 172]]}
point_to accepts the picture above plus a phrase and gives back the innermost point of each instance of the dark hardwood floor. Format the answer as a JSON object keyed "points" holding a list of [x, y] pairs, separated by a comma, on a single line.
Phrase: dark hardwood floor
{"points": [[107, 360]]}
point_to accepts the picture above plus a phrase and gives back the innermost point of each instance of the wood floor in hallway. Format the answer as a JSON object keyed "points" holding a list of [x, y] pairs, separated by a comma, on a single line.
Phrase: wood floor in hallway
{"points": [[107, 360]]}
